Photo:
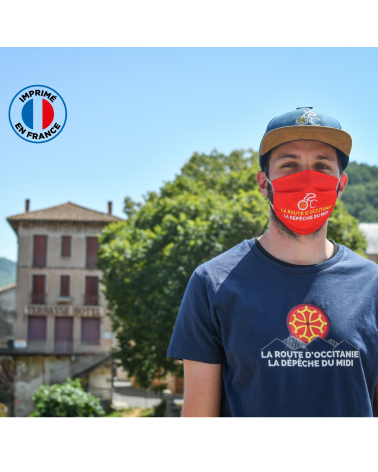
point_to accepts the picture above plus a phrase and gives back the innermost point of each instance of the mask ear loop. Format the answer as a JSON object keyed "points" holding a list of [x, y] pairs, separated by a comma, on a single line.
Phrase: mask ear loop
{"points": [[338, 187], [271, 204]]}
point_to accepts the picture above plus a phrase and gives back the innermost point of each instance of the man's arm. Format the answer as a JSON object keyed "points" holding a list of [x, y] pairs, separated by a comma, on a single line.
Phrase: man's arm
{"points": [[375, 400], [202, 389]]}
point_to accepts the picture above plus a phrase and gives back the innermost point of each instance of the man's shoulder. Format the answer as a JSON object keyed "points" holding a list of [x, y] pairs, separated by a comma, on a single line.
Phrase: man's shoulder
{"points": [[217, 269], [360, 262]]}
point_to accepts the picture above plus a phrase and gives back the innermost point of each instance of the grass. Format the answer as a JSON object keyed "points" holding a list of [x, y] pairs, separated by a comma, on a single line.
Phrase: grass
{"points": [[131, 413]]}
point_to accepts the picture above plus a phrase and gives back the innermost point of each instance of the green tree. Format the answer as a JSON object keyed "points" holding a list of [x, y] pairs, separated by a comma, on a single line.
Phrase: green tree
{"points": [[361, 193], [66, 399], [147, 260]]}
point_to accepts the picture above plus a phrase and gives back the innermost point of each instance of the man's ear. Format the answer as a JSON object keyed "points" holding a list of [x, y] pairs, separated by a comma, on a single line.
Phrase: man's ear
{"points": [[343, 182], [262, 182]]}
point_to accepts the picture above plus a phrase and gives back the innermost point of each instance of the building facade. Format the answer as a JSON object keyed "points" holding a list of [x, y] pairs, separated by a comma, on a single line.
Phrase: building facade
{"points": [[62, 327], [370, 231], [7, 314]]}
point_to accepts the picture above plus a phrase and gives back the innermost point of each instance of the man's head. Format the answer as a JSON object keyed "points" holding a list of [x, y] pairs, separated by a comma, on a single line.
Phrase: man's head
{"points": [[316, 142]]}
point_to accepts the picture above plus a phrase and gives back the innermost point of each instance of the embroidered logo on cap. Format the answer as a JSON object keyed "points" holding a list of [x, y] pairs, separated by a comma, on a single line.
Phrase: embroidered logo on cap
{"points": [[302, 120], [308, 117]]}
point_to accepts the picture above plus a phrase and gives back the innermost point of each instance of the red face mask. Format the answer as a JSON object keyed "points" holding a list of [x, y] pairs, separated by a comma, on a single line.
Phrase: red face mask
{"points": [[304, 201]]}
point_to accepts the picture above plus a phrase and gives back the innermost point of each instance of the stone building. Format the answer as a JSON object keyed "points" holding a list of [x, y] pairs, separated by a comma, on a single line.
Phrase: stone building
{"points": [[370, 231], [62, 328], [7, 314]]}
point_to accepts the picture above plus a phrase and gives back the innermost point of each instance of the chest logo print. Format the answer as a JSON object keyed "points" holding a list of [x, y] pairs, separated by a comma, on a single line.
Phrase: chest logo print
{"points": [[306, 346], [305, 322]]}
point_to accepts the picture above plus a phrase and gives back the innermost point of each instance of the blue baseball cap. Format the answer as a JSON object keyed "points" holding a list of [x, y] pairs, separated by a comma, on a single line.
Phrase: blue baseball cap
{"points": [[306, 123]]}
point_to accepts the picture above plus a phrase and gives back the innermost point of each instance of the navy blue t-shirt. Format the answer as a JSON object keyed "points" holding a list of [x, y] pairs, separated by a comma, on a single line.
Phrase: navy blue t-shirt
{"points": [[292, 341]]}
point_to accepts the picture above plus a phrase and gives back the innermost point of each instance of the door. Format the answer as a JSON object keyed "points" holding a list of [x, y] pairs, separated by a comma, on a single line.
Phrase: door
{"points": [[37, 328], [90, 330], [63, 334]]}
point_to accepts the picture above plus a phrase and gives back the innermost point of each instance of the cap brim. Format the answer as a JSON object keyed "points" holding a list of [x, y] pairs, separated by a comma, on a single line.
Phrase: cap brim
{"points": [[332, 136]]}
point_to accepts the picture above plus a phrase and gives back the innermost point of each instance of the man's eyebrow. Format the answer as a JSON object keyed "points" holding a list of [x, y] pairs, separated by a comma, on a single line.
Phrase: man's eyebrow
{"points": [[326, 158], [287, 155], [295, 156]]}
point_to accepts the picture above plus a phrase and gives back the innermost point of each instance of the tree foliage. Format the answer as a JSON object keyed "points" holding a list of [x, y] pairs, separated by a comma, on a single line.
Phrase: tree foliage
{"points": [[361, 193], [66, 399], [147, 260]]}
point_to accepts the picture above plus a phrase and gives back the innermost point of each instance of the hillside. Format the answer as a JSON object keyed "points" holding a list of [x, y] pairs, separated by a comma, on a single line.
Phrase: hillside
{"points": [[7, 272], [361, 193]]}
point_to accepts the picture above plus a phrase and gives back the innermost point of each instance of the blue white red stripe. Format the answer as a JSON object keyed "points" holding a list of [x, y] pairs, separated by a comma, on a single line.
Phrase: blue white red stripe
{"points": [[37, 113]]}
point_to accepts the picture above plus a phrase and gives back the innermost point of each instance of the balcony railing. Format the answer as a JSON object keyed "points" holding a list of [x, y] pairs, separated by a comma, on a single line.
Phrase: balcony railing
{"points": [[91, 300], [38, 298]]}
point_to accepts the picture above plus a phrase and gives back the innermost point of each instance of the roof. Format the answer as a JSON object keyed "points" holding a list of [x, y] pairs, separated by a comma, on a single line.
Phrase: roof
{"points": [[7, 287], [67, 212], [370, 231]]}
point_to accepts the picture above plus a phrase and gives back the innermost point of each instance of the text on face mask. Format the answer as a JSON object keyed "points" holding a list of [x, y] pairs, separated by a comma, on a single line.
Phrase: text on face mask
{"points": [[305, 213]]}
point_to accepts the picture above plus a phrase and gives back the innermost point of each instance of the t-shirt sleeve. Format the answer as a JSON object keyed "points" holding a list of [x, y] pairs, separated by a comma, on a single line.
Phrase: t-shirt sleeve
{"points": [[197, 334]]}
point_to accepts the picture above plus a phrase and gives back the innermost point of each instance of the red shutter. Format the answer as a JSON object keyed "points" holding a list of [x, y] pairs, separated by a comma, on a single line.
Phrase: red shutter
{"points": [[66, 246], [40, 251], [39, 289], [91, 291], [37, 328], [90, 330], [65, 286], [63, 334], [92, 249]]}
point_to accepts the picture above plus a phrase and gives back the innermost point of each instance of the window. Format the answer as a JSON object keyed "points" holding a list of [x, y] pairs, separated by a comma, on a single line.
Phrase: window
{"points": [[91, 291], [66, 246], [63, 334], [39, 289], [92, 249], [64, 285], [90, 330], [40, 251], [37, 328]]}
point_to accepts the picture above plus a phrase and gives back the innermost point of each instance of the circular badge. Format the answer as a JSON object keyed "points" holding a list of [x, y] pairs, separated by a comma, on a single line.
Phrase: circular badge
{"points": [[302, 120], [306, 322], [37, 114]]}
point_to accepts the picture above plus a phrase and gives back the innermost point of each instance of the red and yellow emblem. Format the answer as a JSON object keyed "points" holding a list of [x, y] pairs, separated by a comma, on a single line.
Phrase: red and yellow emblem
{"points": [[306, 322]]}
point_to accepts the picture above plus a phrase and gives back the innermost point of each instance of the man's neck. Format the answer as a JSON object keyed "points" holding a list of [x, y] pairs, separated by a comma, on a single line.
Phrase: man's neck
{"points": [[304, 250]]}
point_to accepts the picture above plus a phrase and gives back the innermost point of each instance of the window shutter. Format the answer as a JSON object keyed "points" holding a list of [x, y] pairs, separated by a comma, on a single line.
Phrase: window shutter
{"points": [[92, 249], [65, 286], [40, 251], [90, 330], [63, 334], [66, 246], [91, 291], [39, 289], [37, 328]]}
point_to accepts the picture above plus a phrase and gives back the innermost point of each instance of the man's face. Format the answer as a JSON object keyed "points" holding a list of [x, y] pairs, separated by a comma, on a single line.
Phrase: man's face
{"points": [[297, 156]]}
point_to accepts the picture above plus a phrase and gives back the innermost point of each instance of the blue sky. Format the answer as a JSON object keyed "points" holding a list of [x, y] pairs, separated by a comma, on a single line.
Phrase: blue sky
{"points": [[135, 115]]}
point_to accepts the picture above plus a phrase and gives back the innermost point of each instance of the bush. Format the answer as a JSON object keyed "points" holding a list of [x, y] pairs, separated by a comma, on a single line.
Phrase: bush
{"points": [[66, 400], [159, 410]]}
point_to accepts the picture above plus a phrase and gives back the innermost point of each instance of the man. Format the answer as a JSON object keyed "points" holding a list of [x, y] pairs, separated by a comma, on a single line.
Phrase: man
{"points": [[285, 324]]}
